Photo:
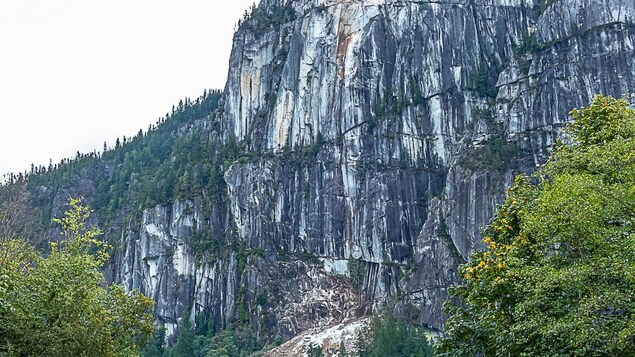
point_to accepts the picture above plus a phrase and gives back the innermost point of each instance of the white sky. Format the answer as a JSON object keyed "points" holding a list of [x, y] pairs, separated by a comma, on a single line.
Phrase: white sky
{"points": [[76, 73]]}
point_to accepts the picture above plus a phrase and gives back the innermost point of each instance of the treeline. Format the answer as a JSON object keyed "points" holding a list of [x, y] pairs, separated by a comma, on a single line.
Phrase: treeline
{"points": [[386, 335], [172, 159], [204, 340], [259, 19], [182, 113]]}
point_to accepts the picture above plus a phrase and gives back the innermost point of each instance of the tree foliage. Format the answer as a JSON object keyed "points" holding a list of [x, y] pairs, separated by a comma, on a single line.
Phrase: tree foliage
{"points": [[205, 341], [58, 305], [184, 346], [557, 277], [391, 337], [168, 161]]}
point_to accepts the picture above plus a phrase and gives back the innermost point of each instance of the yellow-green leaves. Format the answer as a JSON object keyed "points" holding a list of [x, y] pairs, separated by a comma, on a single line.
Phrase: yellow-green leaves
{"points": [[556, 277], [80, 238], [605, 120], [60, 305]]}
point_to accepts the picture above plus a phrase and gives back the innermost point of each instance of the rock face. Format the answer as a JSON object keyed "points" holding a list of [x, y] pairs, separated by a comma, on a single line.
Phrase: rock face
{"points": [[381, 135]]}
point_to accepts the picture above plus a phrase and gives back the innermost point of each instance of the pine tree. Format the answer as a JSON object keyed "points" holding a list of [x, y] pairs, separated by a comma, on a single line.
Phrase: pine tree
{"points": [[184, 346]]}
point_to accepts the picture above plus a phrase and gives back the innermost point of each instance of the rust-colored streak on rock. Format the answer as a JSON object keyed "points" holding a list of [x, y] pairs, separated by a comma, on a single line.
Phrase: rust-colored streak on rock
{"points": [[343, 40]]}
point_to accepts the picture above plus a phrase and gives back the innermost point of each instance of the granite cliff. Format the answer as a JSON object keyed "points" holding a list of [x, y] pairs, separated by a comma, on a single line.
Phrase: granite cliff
{"points": [[373, 141]]}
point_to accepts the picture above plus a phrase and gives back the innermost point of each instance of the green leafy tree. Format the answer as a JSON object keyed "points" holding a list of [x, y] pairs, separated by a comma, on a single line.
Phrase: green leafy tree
{"points": [[357, 271], [557, 276], [247, 341], [154, 347], [390, 336], [223, 344], [59, 305], [184, 346], [200, 346]]}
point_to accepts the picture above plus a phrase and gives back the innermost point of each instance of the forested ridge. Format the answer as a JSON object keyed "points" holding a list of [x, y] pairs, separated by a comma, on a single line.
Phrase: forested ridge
{"points": [[171, 159]]}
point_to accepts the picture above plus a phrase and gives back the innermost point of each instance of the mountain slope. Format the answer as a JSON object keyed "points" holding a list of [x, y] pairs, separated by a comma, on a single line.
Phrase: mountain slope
{"points": [[356, 152]]}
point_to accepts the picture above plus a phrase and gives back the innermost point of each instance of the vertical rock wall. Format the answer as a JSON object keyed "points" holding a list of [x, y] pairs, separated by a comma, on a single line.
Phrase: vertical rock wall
{"points": [[378, 135]]}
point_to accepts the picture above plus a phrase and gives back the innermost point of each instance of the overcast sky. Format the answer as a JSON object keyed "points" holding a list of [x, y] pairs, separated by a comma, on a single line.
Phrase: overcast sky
{"points": [[76, 73]]}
